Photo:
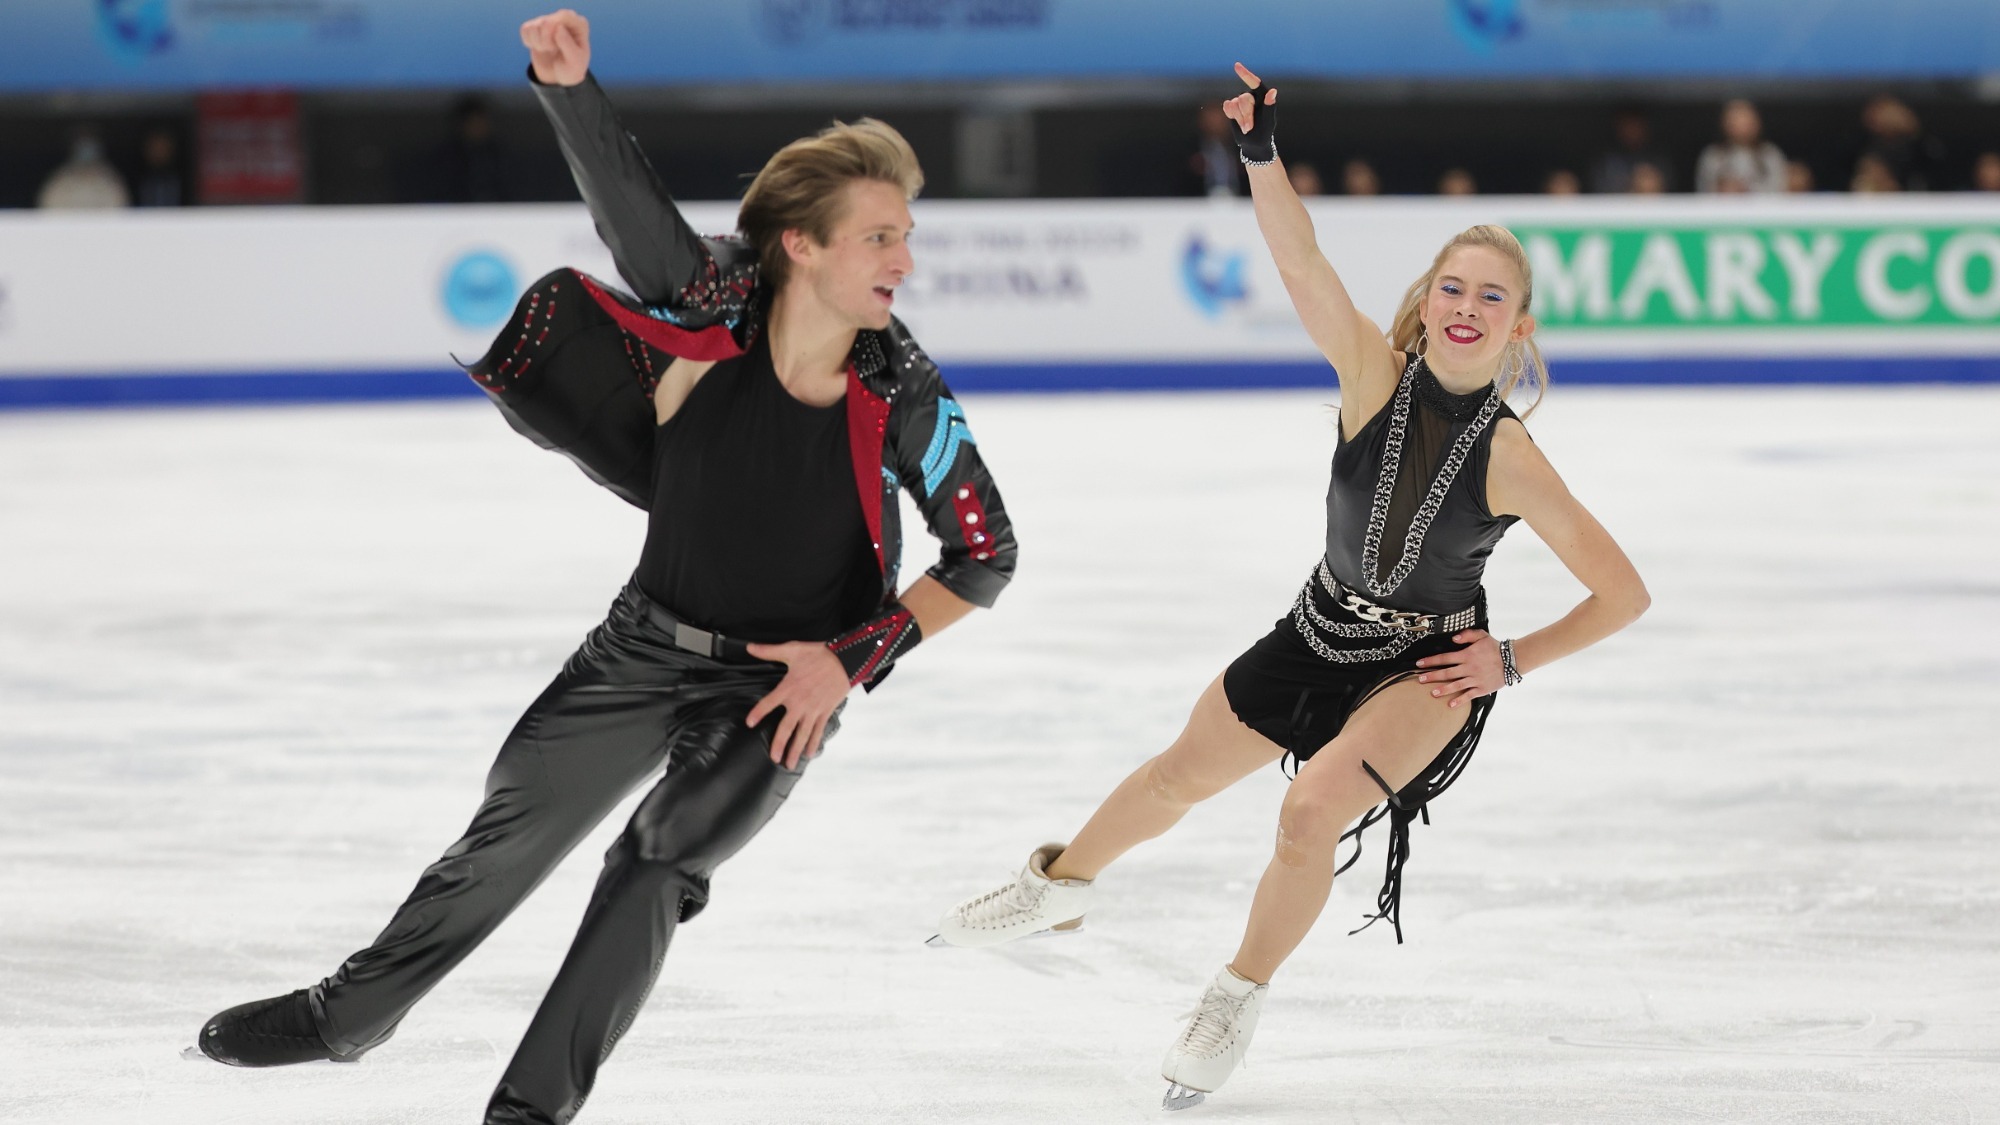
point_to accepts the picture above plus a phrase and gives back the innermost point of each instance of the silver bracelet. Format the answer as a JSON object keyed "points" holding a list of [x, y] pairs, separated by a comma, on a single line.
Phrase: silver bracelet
{"points": [[1509, 674], [1249, 163]]}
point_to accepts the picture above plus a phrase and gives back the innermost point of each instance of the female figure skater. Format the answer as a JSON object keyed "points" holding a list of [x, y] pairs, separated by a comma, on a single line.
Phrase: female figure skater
{"points": [[1380, 677]]}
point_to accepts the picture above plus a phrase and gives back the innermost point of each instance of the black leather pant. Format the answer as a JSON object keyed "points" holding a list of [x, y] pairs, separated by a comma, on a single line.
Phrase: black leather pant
{"points": [[626, 702]]}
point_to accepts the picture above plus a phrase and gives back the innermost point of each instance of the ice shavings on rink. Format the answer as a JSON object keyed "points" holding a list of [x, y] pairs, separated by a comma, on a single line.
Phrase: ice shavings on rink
{"points": [[1737, 864]]}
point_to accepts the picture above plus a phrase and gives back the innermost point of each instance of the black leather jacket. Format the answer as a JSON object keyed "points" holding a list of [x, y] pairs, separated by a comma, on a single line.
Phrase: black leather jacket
{"points": [[575, 368]]}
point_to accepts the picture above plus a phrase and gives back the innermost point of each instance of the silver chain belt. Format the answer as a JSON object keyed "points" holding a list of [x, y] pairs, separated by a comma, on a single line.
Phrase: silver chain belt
{"points": [[1401, 628]]}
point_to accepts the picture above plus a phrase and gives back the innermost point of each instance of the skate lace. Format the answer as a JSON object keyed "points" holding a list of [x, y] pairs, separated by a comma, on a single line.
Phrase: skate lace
{"points": [[1016, 898], [1213, 1024]]}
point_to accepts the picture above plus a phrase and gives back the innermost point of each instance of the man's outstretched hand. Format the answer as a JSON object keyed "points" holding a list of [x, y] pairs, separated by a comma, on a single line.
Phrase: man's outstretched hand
{"points": [[559, 46]]}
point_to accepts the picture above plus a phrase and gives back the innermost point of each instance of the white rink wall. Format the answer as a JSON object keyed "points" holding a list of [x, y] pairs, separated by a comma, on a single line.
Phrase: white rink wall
{"points": [[373, 302]]}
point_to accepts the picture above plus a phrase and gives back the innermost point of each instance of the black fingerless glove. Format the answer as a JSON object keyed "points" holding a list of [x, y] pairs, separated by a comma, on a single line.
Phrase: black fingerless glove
{"points": [[867, 650], [1260, 144]]}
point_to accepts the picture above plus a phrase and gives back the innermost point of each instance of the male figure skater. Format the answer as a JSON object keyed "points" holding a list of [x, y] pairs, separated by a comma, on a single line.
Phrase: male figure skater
{"points": [[759, 400]]}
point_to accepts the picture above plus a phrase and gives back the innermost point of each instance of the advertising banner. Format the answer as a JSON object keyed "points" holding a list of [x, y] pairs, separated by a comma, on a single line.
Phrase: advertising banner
{"points": [[375, 302], [1800, 277], [248, 148], [198, 44]]}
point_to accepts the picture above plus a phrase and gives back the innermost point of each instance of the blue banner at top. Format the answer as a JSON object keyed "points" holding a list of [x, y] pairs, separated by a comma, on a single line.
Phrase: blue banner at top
{"points": [[210, 44]]}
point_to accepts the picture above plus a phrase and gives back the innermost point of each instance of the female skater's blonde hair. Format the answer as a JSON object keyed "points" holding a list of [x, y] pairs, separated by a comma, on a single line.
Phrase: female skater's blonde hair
{"points": [[1523, 365], [800, 188]]}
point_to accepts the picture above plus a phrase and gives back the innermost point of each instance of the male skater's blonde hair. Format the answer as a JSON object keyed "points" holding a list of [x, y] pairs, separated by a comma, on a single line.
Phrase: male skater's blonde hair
{"points": [[800, 188]]}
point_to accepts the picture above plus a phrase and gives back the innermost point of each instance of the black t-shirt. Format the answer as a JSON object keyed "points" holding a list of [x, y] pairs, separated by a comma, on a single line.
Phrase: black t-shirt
{"points": [[756, 529]]}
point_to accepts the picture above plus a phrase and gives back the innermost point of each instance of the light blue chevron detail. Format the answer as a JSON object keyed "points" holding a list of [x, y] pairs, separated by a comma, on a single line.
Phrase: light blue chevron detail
{"points": [[890, 478], [951, 432]]}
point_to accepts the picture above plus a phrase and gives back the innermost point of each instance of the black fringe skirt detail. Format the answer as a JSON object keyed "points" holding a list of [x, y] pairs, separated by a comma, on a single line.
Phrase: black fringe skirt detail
{"points": [[1287, 689]]}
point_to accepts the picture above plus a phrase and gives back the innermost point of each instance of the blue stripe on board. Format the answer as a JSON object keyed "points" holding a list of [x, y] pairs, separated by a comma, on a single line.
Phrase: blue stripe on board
{"points": [[1742, 370], [373, 386], [254, 387]]}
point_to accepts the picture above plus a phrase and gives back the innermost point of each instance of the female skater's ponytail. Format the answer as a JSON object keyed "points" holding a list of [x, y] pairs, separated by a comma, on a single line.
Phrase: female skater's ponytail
{"points": [[1523, 365]]}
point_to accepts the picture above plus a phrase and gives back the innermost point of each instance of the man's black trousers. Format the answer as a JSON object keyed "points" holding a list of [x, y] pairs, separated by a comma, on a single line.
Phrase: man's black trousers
{"points": [[625, 703]]}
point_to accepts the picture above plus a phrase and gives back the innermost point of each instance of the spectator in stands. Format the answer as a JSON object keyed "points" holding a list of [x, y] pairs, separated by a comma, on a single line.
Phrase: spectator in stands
{"points": [[1213, 169], [1894, 136], [1632, 145], [1742, 160], [161, 181], [1872, 174], [84, 181], [1305, 179], [1798, 177], [1357, 177], [1647, 179], [1457, 181], [1562, 181], [474, 171], [1986, 172]]}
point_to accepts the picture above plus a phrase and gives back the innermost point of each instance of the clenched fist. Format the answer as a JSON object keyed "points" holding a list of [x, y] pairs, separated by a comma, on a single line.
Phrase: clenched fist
{"points": [[559, 46]]}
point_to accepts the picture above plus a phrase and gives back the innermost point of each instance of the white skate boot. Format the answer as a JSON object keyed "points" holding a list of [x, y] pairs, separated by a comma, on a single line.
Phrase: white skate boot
{"points": [[1217, 1037], [1031, 904]]}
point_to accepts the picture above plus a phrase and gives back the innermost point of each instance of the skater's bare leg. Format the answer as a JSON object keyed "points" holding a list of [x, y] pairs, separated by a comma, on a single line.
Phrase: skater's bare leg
{"points": [[1398, 732], [1214, 751]]}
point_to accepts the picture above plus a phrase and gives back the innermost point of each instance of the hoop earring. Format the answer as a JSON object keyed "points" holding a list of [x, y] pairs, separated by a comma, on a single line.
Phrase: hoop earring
{"points": [[1423, 343], [1517, 362]]}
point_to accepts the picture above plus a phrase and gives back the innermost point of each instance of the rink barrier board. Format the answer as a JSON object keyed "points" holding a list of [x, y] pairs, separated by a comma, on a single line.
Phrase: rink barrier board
{"points": [[278, 388], [332, 304]]}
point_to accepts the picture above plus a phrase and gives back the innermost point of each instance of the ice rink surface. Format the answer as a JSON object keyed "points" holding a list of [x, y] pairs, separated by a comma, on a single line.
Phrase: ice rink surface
{"points": [[1740, 863]]}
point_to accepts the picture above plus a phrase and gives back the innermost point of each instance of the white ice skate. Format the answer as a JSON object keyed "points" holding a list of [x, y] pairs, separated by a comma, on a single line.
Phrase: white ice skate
{"points": [[1217, 1037], [1031, 904]]}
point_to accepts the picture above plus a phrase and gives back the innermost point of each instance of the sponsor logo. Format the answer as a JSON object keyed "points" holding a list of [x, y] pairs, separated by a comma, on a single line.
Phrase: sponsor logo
{"points": [[479, 289], [135, 28], [1749, 276], [792, 22], [1487, 23], [1014, 263], [799, 22], [1058, 281], [1213, 280]]}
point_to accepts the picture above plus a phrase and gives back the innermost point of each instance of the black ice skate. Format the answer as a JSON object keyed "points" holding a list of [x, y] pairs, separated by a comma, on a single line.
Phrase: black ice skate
{"points": [[275, 1032]]}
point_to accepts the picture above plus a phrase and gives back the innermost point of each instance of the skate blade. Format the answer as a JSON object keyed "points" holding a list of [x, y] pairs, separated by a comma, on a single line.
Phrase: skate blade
{"points": [[1060, 929], [1180, 1097], [193, 1054]]}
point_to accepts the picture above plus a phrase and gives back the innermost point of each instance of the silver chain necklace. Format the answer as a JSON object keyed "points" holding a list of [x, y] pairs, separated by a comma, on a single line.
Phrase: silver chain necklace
{"points": [[1385, 486]]}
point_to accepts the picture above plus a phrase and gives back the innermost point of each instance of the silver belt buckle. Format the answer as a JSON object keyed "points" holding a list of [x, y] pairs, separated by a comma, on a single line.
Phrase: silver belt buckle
{"points": [[1419, 623], [694, 640], [1351, 600]]}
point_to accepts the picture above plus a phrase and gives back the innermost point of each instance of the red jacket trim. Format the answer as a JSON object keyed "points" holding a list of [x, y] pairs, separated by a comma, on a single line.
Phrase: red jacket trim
{"points": [[712, 343], [867, 422]]}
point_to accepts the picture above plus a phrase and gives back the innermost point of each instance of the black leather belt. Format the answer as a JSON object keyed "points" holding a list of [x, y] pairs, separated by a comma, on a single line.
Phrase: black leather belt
{"points": [[701, 642]]}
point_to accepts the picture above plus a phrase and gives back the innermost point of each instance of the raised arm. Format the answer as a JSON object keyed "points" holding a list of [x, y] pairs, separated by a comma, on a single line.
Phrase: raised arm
{"points": [[657, 253], [1352, 343]]}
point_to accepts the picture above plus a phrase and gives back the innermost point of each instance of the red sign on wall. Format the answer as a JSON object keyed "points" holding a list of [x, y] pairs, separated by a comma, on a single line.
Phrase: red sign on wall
{"points": [[249, 149]]}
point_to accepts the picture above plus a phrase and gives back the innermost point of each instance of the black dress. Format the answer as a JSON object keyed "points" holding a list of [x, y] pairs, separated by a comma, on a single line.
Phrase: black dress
{"points": [[1407, 537]]}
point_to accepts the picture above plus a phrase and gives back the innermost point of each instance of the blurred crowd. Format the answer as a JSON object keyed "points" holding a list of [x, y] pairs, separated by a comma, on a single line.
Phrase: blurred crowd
{"points": [[467, 167], [1887, 149], [1890, 153]]}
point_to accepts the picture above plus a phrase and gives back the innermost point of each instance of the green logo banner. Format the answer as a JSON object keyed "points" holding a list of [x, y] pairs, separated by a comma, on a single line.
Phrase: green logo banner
{"points": [[1764, 276]]}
